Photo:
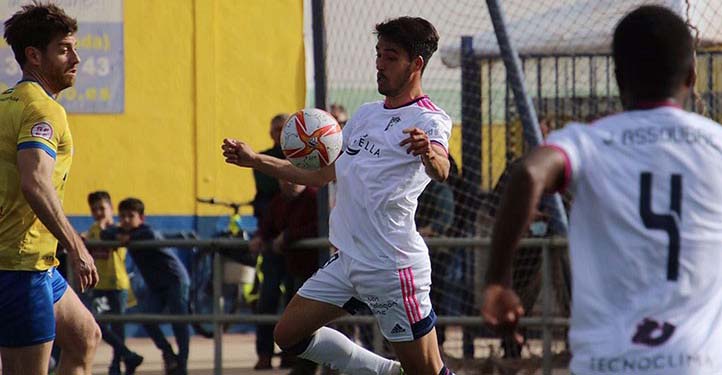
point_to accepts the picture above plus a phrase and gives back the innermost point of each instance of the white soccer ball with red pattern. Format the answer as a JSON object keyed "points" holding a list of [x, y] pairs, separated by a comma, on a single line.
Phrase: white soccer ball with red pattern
{"points": [[311, 139]]}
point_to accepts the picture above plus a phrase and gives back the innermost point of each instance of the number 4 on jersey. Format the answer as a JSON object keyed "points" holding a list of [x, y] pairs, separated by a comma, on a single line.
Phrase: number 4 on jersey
{"points": [[667, 222]]}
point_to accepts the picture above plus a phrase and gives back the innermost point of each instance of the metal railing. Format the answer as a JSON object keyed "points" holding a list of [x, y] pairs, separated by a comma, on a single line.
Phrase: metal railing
{"points": [[546, 321], [563, 88]]}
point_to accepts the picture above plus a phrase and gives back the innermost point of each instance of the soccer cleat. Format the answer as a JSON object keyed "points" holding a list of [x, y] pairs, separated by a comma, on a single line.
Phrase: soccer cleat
{"points": [[132, 361], [263, 363], [170, 363]]}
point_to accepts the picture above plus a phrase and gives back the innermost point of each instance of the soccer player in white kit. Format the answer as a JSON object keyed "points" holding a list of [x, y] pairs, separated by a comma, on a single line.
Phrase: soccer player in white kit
{"points": [[392, 148], [645, 234]]}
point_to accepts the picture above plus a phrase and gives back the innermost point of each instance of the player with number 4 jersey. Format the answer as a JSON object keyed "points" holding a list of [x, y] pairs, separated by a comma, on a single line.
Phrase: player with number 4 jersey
{"points": [[645, 233]]}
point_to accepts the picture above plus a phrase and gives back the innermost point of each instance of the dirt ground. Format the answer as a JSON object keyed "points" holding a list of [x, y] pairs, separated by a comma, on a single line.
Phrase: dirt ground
{"points": [[239, 356]]}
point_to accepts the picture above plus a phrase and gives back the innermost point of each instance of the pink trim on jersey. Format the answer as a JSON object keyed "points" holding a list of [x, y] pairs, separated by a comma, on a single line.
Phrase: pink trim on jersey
{"points": [[442, 146], [422, 104], [567, 166], [658, 104], [408, 293], [403, 295], [427, 103], [413, 295], [407, 309]]}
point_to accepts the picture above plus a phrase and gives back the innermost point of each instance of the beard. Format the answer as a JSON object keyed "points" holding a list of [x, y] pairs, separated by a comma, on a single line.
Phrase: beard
{"points": [[388, 88], [58, 76], [64, 80], [382, 87]]}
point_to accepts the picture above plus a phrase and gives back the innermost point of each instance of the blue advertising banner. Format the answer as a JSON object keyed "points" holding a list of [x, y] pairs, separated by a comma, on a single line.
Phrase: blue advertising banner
{"points": [[100, 83]]}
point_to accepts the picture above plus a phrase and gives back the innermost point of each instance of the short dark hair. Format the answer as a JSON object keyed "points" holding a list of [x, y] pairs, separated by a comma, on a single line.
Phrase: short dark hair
{"points": [[132, 204], [36, 25], [98, 196], [417, 36], [280, 117], [653, 52]]}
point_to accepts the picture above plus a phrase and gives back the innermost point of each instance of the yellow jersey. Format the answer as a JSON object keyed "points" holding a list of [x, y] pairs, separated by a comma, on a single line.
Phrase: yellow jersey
{"points": [[110, 264], [29, 118]]}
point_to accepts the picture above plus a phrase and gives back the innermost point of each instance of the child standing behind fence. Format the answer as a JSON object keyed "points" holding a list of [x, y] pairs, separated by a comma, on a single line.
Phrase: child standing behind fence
{"points": [[166, 278], [111, 293]]}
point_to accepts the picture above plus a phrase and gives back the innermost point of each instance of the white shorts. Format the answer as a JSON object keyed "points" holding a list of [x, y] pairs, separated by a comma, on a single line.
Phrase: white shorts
{"points": [[398, 298]]}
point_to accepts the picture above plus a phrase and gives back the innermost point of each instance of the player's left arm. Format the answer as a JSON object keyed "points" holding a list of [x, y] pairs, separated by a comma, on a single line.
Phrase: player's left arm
{"points": [[433, 155], [542, 171]]}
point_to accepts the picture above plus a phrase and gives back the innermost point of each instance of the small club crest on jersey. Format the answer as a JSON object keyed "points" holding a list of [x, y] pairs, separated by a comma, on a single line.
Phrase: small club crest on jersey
{"points": [[394, 120], [42, 130]]}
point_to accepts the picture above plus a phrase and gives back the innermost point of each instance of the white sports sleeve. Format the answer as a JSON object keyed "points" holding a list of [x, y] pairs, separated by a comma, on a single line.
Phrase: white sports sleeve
{"points": [[438, 129], [570, 141]]}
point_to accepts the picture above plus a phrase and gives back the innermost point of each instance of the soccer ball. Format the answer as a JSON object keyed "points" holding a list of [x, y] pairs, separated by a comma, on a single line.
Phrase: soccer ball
{"points": [[311, 139]]}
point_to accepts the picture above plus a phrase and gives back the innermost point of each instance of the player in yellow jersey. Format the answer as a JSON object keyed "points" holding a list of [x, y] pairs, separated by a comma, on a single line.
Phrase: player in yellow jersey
{"points": [[36, 306]]}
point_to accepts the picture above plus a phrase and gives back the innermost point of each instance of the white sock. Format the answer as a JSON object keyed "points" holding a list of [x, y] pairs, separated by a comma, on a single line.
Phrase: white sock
{"points": [[331, 347]]}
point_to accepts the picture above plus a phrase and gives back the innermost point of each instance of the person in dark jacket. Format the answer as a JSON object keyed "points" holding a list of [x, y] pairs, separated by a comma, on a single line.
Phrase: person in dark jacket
{"points": [[165, 276], [291, 215], [267, 186]]}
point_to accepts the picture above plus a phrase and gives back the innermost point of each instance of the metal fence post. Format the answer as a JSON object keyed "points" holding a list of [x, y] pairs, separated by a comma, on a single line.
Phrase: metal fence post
{"points": [[320, 101], [546, 311], [525, 107], [217, 310], [471, 120]]}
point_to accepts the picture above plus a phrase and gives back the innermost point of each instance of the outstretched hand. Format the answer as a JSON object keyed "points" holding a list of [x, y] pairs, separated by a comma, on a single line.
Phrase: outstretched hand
{"points": [[238, 152], [417, 141], [501, 310]]}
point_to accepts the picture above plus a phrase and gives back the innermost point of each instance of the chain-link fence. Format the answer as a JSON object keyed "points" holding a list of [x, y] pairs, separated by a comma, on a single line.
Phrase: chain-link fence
{"points": [[564, 52]]}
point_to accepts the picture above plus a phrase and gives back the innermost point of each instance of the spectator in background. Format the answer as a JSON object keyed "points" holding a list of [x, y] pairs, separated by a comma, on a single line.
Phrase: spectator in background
{"points": [[433, 218], [526, 275], [111, 293], [435, 212], [166, 278], [468, 199], [338, 111], [291, 215], [266, 186]]}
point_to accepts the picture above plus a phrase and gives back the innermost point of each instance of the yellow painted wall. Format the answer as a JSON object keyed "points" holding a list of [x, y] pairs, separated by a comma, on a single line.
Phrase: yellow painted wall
{"points": [[195, 72], [497, 153]]}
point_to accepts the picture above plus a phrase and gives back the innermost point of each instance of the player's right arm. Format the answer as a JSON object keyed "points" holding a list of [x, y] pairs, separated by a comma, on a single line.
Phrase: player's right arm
{"points": [[542, 171], [35, 167], [241, 154]]}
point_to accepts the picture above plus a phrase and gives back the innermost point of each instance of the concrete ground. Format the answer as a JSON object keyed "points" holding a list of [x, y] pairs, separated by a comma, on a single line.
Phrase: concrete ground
{"points": [[239, 356]]}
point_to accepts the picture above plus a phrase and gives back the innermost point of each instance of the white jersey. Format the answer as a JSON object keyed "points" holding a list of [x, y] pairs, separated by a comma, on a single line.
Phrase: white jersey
{"points": [[645, 241], [378, 184]]}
